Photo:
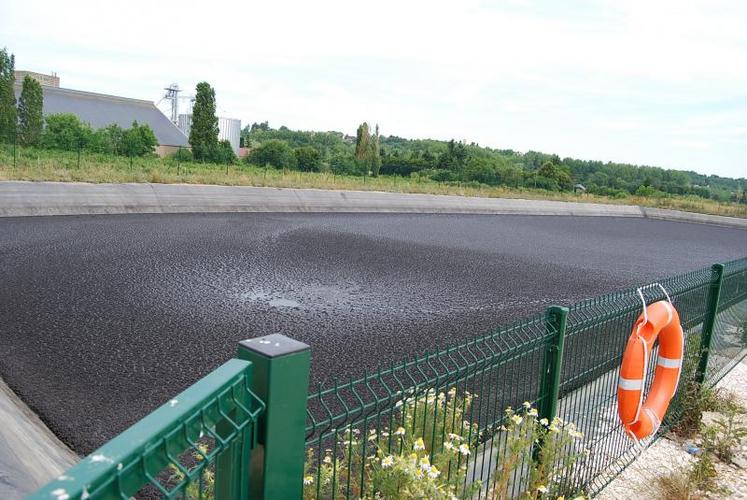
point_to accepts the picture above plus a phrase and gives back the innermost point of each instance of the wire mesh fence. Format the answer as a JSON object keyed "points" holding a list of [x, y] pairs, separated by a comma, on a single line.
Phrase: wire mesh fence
{"points": [[529, 408], [195, 446], [467, 420]]}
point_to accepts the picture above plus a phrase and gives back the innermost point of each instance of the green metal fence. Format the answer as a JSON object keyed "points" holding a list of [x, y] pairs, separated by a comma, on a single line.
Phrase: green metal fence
{"points": [[563, 363], [434, 421], [195, 446]]}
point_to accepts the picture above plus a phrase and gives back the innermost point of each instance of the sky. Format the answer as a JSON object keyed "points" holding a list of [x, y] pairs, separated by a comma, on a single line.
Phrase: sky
{"points": [[646, 82]]}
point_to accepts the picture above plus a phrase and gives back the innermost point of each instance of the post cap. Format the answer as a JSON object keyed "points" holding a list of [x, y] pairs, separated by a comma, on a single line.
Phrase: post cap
{"points": [[274, 345]]}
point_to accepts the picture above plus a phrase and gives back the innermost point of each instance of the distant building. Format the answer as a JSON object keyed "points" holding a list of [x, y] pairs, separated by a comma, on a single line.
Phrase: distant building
{"points": [[101, 110], [49, 80], [229, 129]]}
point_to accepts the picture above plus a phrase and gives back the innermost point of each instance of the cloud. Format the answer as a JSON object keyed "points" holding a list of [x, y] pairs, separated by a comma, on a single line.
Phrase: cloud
{"points": [[594, 79]]}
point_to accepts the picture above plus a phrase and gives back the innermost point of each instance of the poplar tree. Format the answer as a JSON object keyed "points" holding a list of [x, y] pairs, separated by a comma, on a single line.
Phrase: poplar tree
{"points": [[30, 117], [361, 142], [7, 96], [375, 153], [203, 135]]}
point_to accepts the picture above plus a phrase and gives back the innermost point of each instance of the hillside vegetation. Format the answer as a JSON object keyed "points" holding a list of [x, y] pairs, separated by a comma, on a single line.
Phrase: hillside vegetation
{"points": [[457, 162], [34, 164]]}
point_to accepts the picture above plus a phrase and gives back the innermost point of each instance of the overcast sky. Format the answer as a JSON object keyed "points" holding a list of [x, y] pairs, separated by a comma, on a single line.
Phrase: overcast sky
{"points": [[639, 81]]}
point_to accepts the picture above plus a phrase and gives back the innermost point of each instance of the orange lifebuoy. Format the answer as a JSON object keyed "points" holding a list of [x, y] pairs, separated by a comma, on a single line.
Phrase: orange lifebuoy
{"points": [[641, 418]]}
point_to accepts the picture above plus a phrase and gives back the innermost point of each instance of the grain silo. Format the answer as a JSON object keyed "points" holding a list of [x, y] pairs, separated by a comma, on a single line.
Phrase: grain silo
{"points": [[229, 129]]}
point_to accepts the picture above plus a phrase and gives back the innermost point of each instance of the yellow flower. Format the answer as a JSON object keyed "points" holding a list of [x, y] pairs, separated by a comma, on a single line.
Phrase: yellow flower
{"points": [[517, 419], [448, 445], [387, 461], [526, 404], [327, 459], [464, 449], [308, 480], [542, 488], [418, 445], [425, 464], [400, 431]]}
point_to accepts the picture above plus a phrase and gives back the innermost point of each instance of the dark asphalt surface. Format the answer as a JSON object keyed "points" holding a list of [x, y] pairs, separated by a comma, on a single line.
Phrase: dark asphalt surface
{"points": [[103, 318]]}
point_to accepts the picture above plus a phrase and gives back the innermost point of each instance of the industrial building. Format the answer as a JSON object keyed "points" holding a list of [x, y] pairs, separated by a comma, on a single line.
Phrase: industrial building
{"points": [[229, 129], [51, 80], [101, 110]]}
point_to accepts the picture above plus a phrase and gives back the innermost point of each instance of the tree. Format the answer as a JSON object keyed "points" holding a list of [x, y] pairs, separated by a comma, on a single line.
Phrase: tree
{"points": [[557, 174], [138, 140], [361, 142], [203, 135], [275, 153], [374, 153], [7, 96], [65, 131], [308, 158], [30, 117]]}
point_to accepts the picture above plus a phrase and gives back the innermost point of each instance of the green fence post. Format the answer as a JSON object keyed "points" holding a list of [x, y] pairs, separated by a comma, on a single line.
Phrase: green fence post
{"points": [[709, 322], [281, 380], [556, 318]]}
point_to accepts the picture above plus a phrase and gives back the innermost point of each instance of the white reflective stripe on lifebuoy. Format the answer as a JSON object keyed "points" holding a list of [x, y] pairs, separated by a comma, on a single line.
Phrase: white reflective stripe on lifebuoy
{"points": [[668, 362], [630, 384]]}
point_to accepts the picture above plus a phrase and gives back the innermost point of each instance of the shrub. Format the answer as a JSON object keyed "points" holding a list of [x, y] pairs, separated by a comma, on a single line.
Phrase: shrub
{"points": [[138, 140], [275, 153], [308, 158], [65, 131], [224, 153]]}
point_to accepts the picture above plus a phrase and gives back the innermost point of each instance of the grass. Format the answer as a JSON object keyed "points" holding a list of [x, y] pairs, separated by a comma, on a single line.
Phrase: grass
{"points": [[64, 166]]}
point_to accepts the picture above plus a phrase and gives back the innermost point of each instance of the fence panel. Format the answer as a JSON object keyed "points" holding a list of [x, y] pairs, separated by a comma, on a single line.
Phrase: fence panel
{"points": [[195, 446], [474, 420], [458, 395]]}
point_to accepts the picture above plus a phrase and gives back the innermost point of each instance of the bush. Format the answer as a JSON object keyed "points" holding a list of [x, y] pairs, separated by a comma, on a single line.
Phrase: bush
{"points": [[182, 154], [138, 140], [480, 171], [65, 131], [224, 153], [649, 192], [275, 153], [442, 175], [344, 164], [308, 159]]}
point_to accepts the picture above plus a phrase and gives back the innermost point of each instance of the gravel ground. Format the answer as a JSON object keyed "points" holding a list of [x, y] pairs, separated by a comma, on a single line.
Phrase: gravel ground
{"points": [[103, 318], [667, 456]]}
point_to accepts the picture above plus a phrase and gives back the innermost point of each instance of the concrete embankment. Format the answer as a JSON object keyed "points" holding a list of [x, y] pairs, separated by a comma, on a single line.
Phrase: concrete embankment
{"points": [[31, 455], [55, 198]]}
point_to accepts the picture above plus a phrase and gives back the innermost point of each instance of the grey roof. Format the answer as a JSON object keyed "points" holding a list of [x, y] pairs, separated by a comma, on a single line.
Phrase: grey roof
{"points": [[100, 110]]}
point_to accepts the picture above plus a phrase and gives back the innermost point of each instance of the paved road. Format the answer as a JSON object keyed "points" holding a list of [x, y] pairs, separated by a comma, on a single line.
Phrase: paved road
{"points": [[102, 318]]}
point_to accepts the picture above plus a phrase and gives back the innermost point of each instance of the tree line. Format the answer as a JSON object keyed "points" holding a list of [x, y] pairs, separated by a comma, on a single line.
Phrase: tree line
{"points": [[471, 164], [366, 153]]}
